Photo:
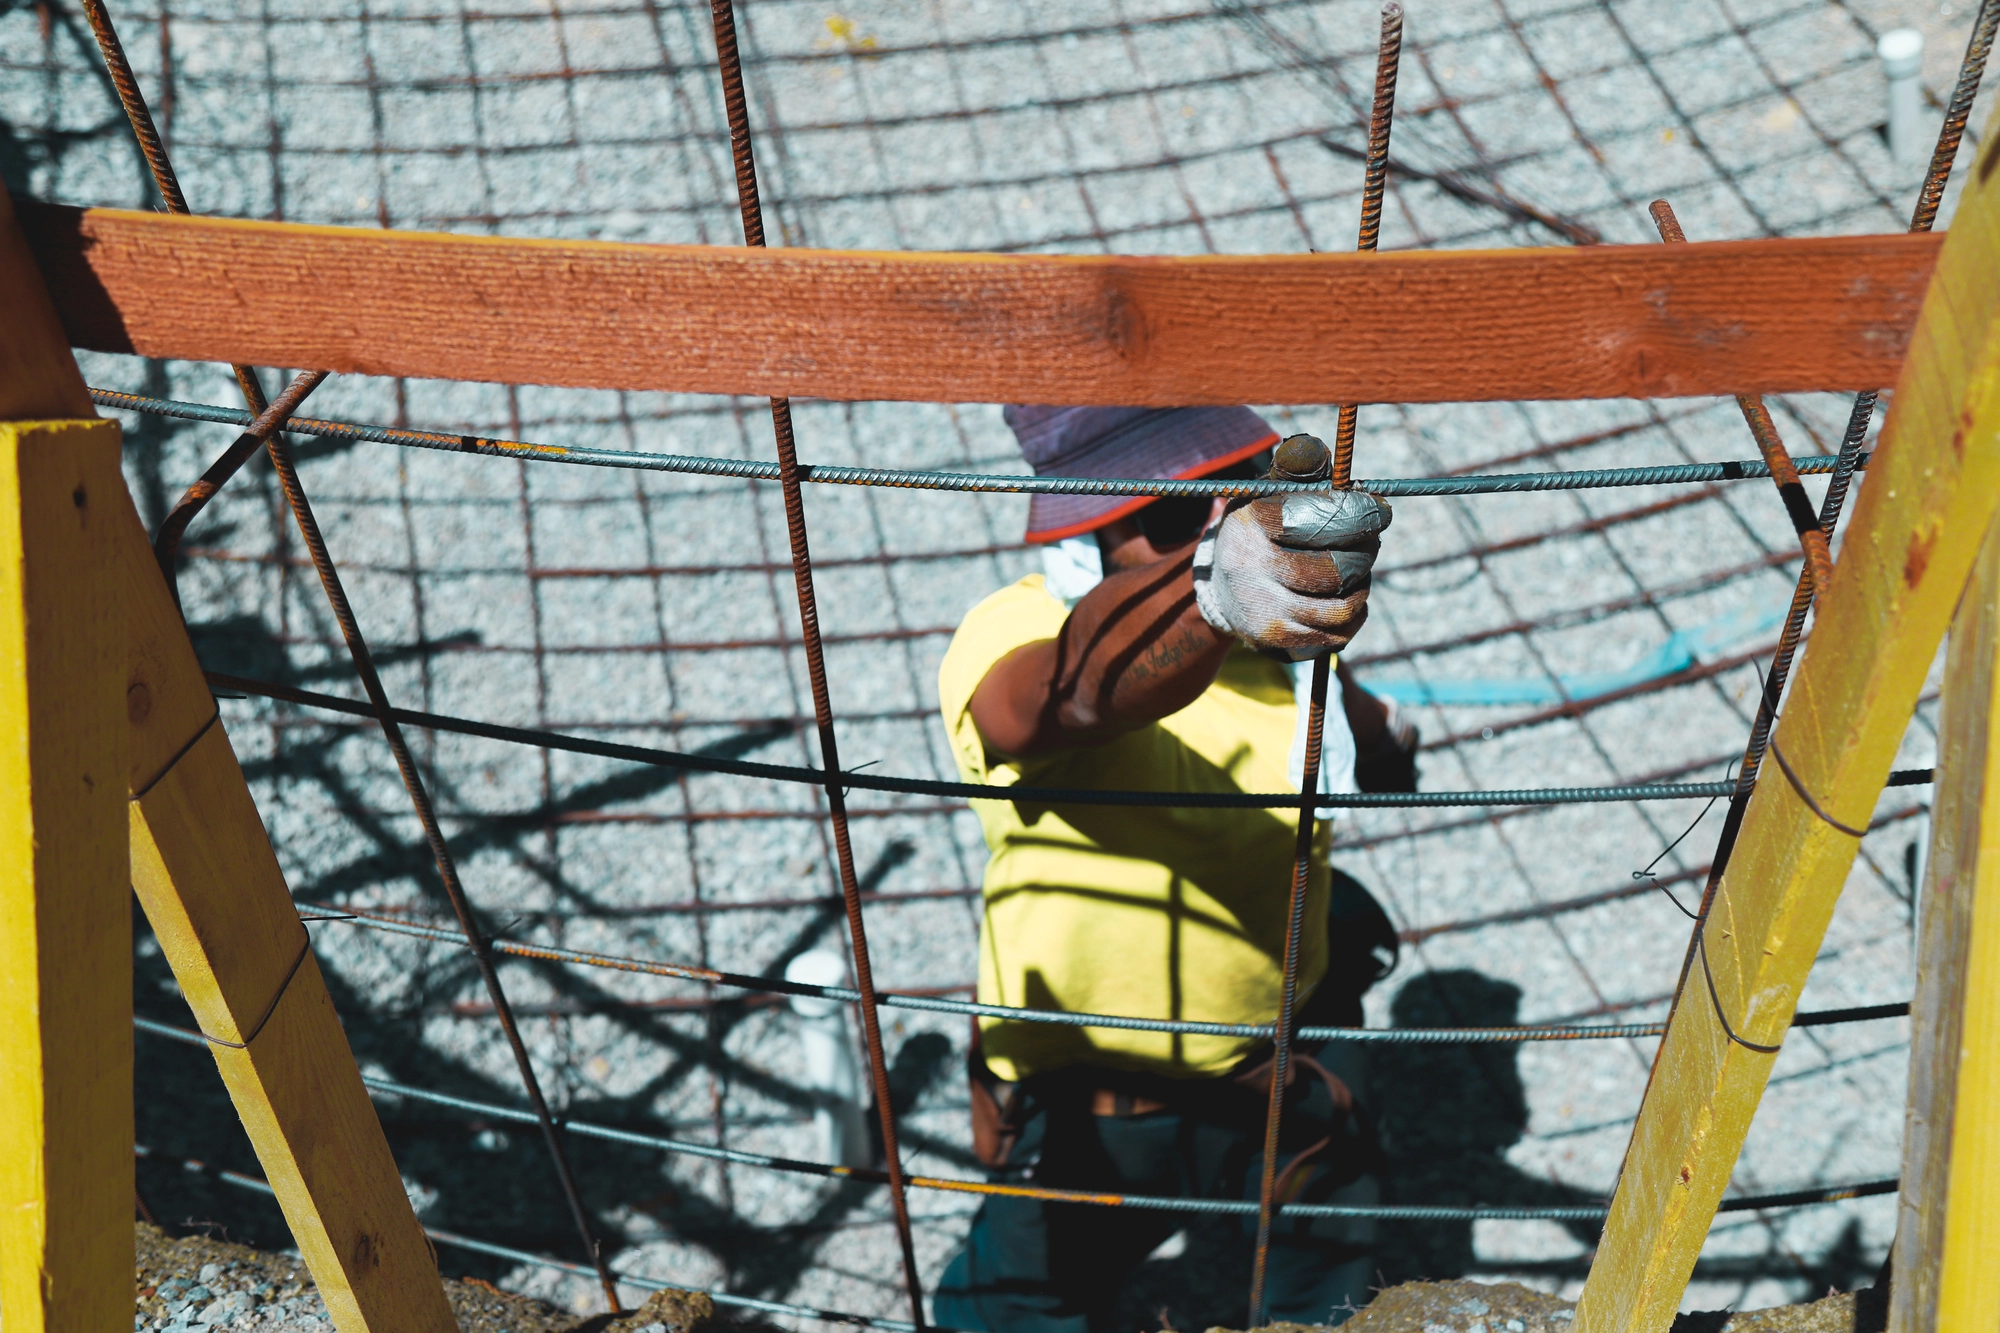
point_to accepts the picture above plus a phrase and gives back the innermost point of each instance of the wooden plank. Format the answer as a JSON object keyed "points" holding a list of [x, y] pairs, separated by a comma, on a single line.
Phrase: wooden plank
{"points": [[65, 920], [216, 897], [1929, 497], [39, 380], [1608, 321], [1947, 1255]]}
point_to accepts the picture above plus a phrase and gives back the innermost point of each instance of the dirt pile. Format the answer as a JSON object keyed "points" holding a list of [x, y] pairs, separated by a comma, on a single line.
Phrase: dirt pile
{"points": [[1507, 1307], [197, 1285]]}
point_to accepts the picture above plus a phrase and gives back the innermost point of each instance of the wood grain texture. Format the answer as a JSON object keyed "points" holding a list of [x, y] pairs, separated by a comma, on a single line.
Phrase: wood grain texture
{"points": [[65, 920], [38, 377], [212, 888], [1947, 1253], [1930, 494], [1602, 322]]}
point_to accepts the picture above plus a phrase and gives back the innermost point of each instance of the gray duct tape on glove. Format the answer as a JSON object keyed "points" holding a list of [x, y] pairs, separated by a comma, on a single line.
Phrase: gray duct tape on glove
{"points": [[1289, 575]]}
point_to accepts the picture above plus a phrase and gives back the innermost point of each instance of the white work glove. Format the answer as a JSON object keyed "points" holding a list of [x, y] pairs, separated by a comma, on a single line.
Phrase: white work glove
{"points": [[1289, 574]]}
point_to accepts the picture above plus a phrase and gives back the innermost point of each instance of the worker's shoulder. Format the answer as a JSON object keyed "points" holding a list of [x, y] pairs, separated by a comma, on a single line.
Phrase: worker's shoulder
{"points": [[1021, 612]]}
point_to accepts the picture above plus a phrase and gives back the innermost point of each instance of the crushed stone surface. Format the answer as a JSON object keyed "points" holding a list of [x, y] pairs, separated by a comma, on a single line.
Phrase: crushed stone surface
{"points": [[195, 1283], [1508, 1307]]}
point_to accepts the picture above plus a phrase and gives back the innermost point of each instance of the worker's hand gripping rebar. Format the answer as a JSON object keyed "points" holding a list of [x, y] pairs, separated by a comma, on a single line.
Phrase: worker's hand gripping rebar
{"points": [[1289, 574]]}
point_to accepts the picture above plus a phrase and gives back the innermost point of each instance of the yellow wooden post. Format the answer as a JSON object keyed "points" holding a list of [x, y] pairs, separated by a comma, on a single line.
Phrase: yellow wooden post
{"points": [[65, 917], [1930, 493], [65, 920], [216, 897], [1947, 1257]]}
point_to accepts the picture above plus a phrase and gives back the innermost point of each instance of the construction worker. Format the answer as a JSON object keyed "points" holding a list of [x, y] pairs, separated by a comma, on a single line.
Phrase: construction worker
{"points": [[1156, 652]]}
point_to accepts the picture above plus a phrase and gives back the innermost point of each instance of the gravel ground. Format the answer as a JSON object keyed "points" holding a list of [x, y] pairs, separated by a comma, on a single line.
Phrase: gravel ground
{"points": [[196, 1283], [657, 610]]}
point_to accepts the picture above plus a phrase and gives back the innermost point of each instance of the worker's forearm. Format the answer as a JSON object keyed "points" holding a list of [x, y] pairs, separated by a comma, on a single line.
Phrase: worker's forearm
{"points": [[1134, 650]]}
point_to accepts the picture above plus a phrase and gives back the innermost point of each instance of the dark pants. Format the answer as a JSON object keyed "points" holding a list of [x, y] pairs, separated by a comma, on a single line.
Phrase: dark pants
{"points": [[1035, 1267]]}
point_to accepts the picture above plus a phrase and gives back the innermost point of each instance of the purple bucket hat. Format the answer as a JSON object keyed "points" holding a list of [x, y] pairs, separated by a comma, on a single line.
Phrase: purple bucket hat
{"points": [[1155, 443]]}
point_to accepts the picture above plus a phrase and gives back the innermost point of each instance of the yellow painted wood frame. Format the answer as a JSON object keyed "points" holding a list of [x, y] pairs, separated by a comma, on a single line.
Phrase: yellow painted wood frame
{"points": [[65, 917], [1930, 494], [1947, 1255], [204, 871], [215, 895]]}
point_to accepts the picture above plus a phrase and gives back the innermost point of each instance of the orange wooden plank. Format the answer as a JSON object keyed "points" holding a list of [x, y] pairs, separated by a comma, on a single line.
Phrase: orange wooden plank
{"points": [[1605, 322]]}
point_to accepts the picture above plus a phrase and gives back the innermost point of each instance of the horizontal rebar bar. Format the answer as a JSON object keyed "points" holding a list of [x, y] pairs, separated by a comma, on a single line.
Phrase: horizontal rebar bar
{"points": [[753, 470], [972, 791], [737, 1156], [938, 1004]]}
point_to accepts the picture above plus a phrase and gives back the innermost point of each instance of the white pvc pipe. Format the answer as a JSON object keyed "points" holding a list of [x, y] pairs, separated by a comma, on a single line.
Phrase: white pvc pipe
{"points": [[828, 1067], [1902, 55]]}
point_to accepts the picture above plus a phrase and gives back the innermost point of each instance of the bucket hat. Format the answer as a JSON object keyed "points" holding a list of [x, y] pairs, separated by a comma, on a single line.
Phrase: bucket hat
{"points": [[1154, 443]]}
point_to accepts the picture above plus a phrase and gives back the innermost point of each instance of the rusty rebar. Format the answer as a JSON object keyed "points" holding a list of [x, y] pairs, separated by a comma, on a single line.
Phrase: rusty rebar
{"points": [[730, 66], [1971, 71], [154, 151], [147, 133], [1388, 58], [167, 542], [1340, 473], [1288, 994], [136, 110], [1971, 68], [1299, 458], [1784, 475]]}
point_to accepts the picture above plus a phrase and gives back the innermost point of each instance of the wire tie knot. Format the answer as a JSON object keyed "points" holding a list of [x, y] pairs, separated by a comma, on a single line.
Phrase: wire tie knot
{"points": [[1806, 796], [271, 1008]]}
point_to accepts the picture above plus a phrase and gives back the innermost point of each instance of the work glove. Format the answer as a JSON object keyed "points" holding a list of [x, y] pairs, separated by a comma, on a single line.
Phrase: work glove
{"points": [[1289, 574]]}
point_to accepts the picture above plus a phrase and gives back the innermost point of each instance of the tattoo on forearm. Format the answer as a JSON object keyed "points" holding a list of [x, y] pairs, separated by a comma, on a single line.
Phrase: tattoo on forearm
{"points": [[1164, 655]]}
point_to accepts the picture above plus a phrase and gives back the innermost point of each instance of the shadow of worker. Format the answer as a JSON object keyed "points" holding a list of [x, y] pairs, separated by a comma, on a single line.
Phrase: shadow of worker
{"points": [[1447, 1115]]}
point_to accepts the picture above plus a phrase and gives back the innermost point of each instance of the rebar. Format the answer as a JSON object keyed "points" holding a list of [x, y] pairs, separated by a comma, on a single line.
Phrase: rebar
{"points": [[154, 151], [1340, 475], [563, 214], [197, 496], [972, 791], [1971, 70], [1508, 483], [1089, 1198], [1382, 117], [1819, 559], [167, 542], [730, 66]]}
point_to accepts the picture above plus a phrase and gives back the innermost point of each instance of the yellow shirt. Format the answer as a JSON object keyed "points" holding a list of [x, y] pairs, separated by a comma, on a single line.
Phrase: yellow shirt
{"points": [[1149, 913]]}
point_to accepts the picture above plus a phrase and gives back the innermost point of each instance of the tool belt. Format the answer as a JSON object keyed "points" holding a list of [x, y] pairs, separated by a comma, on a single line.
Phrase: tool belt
{"points": [[1001, 1110]]}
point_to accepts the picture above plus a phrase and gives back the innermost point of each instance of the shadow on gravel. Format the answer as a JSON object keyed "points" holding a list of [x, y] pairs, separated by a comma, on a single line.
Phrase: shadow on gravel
{"points": [[493, 1180]]}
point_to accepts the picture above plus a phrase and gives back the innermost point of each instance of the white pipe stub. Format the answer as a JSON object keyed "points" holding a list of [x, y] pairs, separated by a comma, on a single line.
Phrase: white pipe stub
{"points": [[1901, 51], [827, 1066]]}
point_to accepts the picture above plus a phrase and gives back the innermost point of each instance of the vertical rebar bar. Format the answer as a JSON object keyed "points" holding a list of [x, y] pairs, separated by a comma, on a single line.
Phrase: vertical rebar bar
{"points": [[1784, 474], [1388, 58], [730, 64], [144, 130], [148, 134], [1288, 995]]}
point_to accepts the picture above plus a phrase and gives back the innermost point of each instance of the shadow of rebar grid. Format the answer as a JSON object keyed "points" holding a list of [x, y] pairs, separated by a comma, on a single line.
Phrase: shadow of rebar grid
{"points": [[1601, 637]]}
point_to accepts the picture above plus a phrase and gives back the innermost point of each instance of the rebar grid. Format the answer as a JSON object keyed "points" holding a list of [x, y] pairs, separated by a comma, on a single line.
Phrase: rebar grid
{"points": [[1479, 128]]}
